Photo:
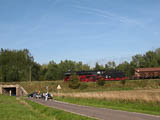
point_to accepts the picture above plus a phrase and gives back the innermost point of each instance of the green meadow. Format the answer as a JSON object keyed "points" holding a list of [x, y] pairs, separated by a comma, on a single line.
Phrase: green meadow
{"points": [[12, 108]]}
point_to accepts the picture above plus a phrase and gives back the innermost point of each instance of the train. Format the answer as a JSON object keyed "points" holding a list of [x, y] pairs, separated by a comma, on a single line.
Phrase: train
{"points": [[114, 75], [94, 75], [147, 73]]}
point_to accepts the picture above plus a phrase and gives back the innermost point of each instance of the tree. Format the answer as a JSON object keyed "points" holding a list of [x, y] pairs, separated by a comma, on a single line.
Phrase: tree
{"points": [[98, 67], [86, 67], [157, 52], [65, 66], [36, 71], [14, 64], [79, 66], [52, 72], [138, 60], [124, 67], [151, 59], [110, 65], [74, 82], [43, 71]]}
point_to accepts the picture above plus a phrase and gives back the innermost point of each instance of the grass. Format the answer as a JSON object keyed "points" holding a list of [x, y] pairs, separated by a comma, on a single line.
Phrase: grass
{"points": [[152, 95], [20, 109], [143, 101], [132, 106], [136, 95], [92, 86]]}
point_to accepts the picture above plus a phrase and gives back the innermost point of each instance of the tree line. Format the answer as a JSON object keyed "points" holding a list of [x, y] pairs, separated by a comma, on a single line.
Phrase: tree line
{"points": [[19, 65]]}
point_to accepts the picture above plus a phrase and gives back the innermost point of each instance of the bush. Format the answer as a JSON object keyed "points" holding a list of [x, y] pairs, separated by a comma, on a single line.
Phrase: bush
{"points": [[101, 82], [158, 82], [83, 86], [74, 82], [123, 82]]}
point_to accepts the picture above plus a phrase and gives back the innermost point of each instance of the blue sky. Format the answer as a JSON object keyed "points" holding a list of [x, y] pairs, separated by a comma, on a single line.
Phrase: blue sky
{"points": [[81, 30]]}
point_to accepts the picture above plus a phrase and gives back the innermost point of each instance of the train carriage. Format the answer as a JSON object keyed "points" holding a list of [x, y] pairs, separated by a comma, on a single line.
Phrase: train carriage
{"points": [[146, 73], [92, 76]]}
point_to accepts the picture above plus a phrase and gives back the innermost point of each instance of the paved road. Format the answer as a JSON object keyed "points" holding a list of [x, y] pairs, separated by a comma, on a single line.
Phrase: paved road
{"points": [[98, 113]]}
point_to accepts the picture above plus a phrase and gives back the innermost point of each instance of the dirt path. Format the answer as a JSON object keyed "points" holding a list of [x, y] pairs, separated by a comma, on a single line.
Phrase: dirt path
{"points": [[98, 113]]}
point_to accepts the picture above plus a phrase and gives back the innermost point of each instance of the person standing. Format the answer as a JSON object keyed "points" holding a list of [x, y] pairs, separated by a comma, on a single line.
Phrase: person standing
{"points": [[46, 96], [10, 93]]}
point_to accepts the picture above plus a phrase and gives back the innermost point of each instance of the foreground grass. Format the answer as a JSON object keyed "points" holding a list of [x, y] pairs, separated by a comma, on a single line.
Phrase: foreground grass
{"points": [[19, 109], [132, 106]]}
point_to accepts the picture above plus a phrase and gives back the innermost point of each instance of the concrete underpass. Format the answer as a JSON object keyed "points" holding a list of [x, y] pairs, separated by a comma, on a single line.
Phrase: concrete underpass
{"points": [[12, 90]]}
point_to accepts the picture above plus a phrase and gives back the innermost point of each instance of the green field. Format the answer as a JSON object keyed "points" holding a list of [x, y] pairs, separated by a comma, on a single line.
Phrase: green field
{"points": [[12, 108]]}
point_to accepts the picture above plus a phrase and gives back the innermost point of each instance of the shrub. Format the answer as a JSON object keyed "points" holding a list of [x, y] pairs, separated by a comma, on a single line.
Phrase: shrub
{"points": [[158, 82], [123, 82], [74, 82], [83, 86], [101, 82]]}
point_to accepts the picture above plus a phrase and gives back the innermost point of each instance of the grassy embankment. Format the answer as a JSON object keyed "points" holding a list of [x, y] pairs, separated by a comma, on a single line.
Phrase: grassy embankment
{"points": [[12, 108], [92, 86]]}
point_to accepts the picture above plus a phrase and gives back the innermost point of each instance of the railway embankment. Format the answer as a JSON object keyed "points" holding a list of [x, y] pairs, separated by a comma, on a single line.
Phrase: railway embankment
{"points": [[145, 84]]}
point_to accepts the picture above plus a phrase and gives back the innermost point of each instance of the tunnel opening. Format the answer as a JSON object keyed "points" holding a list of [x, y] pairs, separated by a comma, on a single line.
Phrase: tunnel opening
{"points": [[13, 90], [9, 91]]}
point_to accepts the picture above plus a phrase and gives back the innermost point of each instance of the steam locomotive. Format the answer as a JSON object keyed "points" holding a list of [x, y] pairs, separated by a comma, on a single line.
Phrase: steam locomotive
{"points": [[92, 76]]}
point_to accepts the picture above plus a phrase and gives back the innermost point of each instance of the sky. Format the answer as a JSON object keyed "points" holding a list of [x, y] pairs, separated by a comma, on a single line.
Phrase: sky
{"points": [[81, 30]]}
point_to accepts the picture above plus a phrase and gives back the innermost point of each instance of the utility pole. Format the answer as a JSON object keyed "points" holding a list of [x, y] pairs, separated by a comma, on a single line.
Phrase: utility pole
{"points": [[47, 88], [30, 73]]}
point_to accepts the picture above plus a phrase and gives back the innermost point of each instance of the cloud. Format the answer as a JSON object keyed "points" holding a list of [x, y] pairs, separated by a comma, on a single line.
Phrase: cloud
{"points": [[106, 14], [97, 23]]}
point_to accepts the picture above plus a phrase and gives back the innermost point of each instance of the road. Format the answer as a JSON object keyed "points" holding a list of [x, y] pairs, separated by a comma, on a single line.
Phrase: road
{"points": [[97, 113]]}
